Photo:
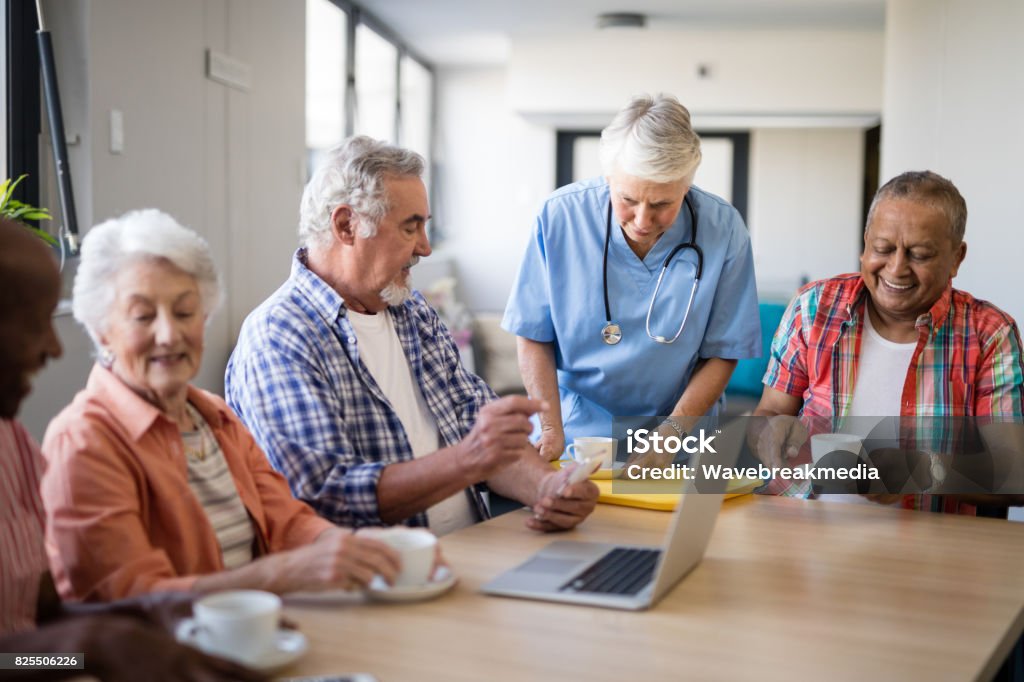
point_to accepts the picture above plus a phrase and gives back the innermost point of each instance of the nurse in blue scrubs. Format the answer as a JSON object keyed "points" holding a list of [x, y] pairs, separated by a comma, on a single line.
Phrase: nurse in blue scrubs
{"points": [[593, 338]]}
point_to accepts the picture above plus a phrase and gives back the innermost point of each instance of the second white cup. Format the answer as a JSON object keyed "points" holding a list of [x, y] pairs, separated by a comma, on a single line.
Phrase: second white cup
{"points": [[593, 447], [237, 624], [417, 548], [824, 443]]}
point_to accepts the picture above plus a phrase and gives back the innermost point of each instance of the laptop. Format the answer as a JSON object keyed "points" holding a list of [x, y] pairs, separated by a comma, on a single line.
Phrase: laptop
{"points": [[628, 576]]}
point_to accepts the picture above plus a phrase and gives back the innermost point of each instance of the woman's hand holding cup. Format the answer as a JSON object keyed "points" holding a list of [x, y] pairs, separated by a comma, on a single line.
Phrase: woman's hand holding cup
{"points": [[339, 559]]}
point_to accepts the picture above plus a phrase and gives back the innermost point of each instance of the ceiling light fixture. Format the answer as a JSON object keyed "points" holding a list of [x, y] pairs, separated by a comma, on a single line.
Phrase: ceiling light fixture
{"points": [[621, 20]]}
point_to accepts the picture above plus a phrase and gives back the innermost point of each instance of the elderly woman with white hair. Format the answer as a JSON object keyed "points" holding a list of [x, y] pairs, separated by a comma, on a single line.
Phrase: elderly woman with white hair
{"points": [[153, 484], [626, 303]]}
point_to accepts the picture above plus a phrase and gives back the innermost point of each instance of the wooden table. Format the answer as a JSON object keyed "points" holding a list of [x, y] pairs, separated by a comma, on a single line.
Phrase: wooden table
{"points": [[788, 590]]}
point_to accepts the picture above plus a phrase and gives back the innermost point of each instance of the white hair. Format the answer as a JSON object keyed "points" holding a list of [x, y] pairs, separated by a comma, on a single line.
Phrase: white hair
{"points": [[138, 235], [651, 139], [353, 175]]}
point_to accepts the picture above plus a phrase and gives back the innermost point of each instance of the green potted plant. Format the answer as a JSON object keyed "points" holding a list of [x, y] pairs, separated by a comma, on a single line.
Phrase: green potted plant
{"points": [[19, 211]]}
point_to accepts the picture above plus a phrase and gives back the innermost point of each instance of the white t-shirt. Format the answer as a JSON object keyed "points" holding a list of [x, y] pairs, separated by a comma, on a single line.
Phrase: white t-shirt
{"points": [[381, 351], [881, 372]]}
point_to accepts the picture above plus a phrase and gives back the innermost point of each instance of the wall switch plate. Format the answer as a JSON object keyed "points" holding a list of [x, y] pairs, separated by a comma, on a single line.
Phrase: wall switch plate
{"points": [[116, 131]]}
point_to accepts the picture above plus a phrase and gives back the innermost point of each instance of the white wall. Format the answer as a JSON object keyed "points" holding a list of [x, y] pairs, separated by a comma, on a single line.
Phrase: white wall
{"points": [[498, 126], [775, 71], [494, 169], [954, 102], [222, 161], [805, 205]]}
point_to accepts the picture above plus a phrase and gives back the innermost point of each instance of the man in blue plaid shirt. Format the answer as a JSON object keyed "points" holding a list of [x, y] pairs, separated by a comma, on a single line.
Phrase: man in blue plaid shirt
{"points": [[354, 387]]}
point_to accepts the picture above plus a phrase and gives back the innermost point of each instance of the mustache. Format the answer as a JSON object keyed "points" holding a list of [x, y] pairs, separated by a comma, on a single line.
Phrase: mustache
{"points": [[412, 261]]}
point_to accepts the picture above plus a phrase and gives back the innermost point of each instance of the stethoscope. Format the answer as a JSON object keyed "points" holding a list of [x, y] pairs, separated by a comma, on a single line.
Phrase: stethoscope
{"points": [[612, 332]]}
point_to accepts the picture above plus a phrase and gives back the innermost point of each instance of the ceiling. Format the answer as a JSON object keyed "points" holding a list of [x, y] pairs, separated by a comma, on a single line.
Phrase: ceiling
{"points": [[478, 32]]}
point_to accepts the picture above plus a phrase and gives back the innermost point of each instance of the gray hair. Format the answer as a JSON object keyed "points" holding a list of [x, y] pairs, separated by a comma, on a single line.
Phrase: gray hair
{"points": [[651, 139], [138, 235], [353, 175], [930, 189]]}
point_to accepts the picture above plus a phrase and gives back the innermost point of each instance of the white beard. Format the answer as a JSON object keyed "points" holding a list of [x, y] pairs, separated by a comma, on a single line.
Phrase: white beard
{"points": [[395, 294]]}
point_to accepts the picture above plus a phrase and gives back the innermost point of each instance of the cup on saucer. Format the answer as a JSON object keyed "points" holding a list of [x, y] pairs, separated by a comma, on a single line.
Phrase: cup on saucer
{"points": [[237, 624], [598, 448], [823, 444], [417, 548]]}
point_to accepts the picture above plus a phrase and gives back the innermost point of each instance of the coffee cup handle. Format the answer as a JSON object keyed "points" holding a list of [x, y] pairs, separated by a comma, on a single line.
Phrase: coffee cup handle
{"points": [[188, 631], [571, 449]]}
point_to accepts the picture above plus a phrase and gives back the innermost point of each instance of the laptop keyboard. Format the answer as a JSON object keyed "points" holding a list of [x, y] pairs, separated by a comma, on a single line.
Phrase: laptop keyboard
{"points": [[620, 571]]}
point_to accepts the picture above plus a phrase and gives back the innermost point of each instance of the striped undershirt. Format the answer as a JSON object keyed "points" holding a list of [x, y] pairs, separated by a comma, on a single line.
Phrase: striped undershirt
{"points": [[22, 553], [211, 483]]}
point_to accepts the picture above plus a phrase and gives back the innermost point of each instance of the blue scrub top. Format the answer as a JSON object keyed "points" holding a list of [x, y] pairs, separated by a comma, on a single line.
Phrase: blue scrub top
{"points": [[558, 298]]}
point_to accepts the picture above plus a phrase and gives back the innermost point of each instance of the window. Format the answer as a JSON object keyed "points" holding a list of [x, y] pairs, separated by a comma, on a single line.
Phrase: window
{"points": [[326, 76], [723, 169], [376, 86], [361, 79], [326, 58], [3, 88], [416, 107], [22, 115]]}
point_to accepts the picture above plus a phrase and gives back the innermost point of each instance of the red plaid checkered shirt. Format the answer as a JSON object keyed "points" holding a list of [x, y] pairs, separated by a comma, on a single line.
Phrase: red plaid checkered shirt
{"points": [[967, 362]]}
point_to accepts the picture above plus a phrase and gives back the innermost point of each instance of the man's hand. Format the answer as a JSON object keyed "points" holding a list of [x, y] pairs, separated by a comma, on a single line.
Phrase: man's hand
{"points": [[499, 436], [338, 559], [561, 506], [780, 440], [552, 442]]}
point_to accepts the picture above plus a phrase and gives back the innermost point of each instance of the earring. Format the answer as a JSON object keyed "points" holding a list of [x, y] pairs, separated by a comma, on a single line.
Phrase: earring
{"points": [[106, 358]]}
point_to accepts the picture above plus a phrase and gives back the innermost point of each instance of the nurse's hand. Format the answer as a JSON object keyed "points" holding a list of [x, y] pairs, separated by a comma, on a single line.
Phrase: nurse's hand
{"points": [[655, 460], [551, 444]]}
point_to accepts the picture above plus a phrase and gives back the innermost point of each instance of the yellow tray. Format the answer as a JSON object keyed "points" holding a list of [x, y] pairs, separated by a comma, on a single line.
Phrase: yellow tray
{"points": [[648, 495], [659, 501]]}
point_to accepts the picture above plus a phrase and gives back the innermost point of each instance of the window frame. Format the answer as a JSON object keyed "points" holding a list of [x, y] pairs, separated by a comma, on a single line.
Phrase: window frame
{"points": [[565, 141], [356, 16], [23, 97]]}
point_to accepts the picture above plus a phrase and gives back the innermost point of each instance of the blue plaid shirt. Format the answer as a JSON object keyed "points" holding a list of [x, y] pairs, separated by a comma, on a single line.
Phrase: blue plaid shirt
{"points": [[296, 380]]}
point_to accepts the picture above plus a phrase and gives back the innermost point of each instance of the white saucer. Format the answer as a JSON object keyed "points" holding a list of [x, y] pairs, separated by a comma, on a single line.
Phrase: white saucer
{"points": [[602, 474], [443, 581], [289, 646], [614, 471]]}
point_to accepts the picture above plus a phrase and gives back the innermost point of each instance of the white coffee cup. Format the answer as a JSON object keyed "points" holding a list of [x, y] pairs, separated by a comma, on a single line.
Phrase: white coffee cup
{"points": [[593, 447], [824, 443], [237, 624], [417, 548]]}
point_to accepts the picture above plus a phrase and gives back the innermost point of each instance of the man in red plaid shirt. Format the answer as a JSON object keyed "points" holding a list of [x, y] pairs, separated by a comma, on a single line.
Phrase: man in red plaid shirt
{"points": [[894, 340]]}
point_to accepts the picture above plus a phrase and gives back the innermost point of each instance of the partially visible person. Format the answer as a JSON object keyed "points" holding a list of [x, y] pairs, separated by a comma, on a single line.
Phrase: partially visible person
{"points": [[355, 388], [636, 295], [152, 483], [123, 641], [896, 339]]}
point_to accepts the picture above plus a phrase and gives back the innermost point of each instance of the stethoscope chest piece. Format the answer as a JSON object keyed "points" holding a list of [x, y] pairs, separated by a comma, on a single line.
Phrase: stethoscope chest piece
{"points": [[612, 333]]}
